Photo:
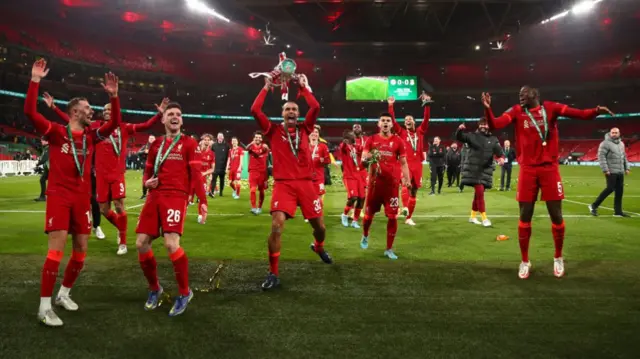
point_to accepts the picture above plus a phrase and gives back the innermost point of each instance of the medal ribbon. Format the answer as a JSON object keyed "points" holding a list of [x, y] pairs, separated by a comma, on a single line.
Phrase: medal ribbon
{"points": [[413, 140], [116, 148], [160, 157], [354, 155], [294, 149], [315, 150], [75, 153], [535, 123]]}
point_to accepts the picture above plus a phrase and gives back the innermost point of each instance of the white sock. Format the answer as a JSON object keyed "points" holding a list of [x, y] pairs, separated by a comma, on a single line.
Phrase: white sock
{"points": [[64, 291], [45, 304]]}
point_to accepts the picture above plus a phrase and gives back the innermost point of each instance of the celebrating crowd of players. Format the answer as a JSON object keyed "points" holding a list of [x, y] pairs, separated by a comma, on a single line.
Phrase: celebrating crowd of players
{"points": [[374, 169]]}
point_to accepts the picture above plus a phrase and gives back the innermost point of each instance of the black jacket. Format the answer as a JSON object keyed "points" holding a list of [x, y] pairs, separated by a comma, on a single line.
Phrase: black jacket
{"points": [[436, 155], [478, 167], [509, 157], [453, 158], [221, 150]]}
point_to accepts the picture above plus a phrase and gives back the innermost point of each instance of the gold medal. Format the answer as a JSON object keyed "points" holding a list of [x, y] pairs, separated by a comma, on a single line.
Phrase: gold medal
{"points": [[544, 143]]}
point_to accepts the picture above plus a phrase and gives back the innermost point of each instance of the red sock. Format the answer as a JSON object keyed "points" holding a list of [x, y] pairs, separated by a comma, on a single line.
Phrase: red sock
{"points": [[122, 227], [150, 269], [405, 196], [50, 273], [412, 206], [392, 228], [347, 209], [356, 214], [273, 262], [238, 189], [112, 217], [524, 234], [558, 238], [261, 198], [181, 269], [366, 224], [74, 267], [252, 196], [319, 246]]}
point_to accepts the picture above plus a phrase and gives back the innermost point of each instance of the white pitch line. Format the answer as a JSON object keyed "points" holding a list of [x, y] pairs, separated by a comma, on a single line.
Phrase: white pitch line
{"points": [[611, 209], [136, 206]]}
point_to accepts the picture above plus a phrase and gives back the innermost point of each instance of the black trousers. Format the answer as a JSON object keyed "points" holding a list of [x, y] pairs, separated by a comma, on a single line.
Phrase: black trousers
{"points": [[95, 208], [615, 183], [505, 170], [214, 179], [437, 173], [453, 175], [43, 183]]}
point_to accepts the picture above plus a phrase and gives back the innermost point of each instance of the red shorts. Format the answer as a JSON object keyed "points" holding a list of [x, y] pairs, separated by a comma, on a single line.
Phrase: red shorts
{"points": [[545, 178], [355, 186], [290, 194], [383, 193], [415, 170], [364, 176], [68, 213], [258, 179], [235, 176], [319, 185], [162, 211], [109, 189]]}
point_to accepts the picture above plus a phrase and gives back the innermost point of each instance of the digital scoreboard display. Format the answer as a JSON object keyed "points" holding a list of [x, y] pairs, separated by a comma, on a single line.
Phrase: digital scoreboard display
{"points": [[379, 88]]}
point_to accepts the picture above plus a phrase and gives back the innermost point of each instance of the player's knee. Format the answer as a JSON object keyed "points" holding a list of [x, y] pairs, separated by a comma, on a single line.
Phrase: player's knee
{"points": [[143, 243], [171, 245], [277, 225]]}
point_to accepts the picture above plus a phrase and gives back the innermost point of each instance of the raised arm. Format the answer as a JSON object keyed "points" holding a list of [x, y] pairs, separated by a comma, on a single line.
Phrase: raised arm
{"points": [[496, 122], [461, 135], [396, 126], [577, 114], [49, 100], [111, 87], [256, 110], [314, 107], [38, 72]]}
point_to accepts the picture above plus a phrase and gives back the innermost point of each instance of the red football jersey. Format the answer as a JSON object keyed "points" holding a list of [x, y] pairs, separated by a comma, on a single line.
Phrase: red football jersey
{"points": [[413, 140], [350, 160], [291, 153], [64, 177], [258, 156], [178, 169], [320, 158], [529, 148], [391, 150], [360, 143], [235, 158], [206, 158]]}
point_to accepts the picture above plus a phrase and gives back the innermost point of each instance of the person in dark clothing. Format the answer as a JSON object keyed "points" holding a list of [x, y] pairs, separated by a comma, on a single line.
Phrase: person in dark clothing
{"points": [[142, 155], [221, 151], [436, 157], [509, 157], [44, 176], [453, 165], [464, 154], [477, 170]]}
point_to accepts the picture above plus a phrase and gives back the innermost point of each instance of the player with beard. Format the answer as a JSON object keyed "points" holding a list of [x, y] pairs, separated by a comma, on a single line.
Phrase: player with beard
{"points": [[258, 175], [413, 138], [537, 137], [353, 181], [69, 191], [387, 153], [236, 155], [171, 171], [293, 174], [111, 167]]}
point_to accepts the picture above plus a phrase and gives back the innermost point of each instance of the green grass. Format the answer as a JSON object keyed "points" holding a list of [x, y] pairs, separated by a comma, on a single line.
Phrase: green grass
{"points": [[367, 89], [454, 292]]}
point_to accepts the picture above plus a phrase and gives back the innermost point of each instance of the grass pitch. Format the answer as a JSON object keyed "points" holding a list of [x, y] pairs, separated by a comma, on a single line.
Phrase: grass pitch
{"points": [[367, 89], [454, 292]]}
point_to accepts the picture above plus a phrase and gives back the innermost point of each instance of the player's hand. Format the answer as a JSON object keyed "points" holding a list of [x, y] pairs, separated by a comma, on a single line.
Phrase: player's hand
{"points": [[501, 161], [48, 99], [151, 183], [462, 127], [202, 213], [110, 84], [303, 80], [39, 70], [425, 98], [627, 172], [391, 100], [604, 111], [163, 105], [264, 145], [268, 84], [406, 182], [486, 99], [607, 173]]}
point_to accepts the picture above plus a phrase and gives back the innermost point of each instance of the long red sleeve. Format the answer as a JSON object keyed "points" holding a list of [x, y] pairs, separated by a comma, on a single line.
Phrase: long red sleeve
{"points": [[424, 126], [116, 118], [63, 115], [314, 108], [497, 122], [577, 114], [41, 124], [256, 111], [135, 127], [195, 175], [396, 126]]}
